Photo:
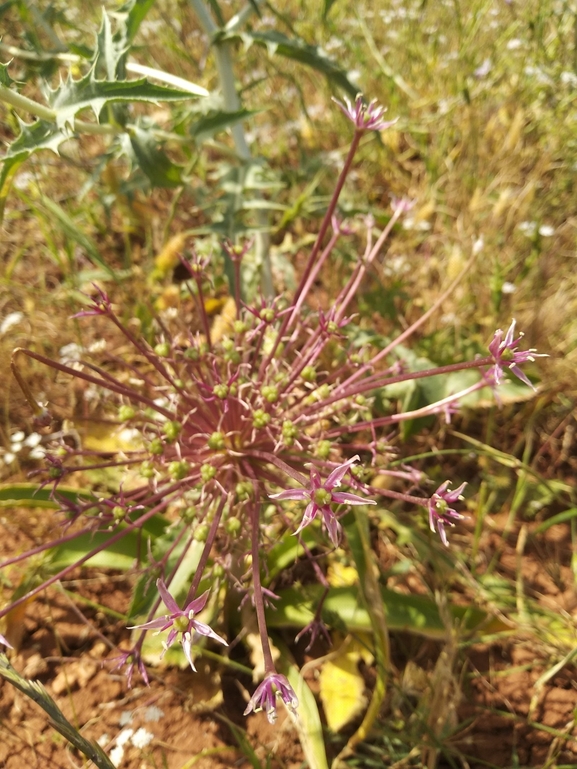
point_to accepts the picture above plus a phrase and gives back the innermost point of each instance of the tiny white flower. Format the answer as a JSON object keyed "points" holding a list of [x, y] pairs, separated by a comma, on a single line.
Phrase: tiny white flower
{"points": [[153, 714], [508, 288], [478, 246], [141, 738], [103, 740], [18, 437], [38, 452], [116, 755], [125, 717], [528, 228], [514, 44], [70, 353], [33, 440], [546, 231], [124, 737], [10, 320], [569, 78], [9, 457]]}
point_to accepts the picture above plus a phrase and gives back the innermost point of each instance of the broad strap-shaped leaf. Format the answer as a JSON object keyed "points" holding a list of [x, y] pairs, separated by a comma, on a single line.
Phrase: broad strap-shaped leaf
{"points": [[72, 96], [310, 55]]}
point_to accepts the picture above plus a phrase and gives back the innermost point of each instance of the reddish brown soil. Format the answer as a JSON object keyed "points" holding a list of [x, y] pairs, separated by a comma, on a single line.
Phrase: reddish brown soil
{"points": [[499, 716]]}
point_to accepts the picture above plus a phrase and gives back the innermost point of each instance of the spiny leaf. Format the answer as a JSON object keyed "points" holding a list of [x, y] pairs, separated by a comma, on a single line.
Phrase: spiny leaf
{"points": [[72, 96], [310, 55], [5, 78]]}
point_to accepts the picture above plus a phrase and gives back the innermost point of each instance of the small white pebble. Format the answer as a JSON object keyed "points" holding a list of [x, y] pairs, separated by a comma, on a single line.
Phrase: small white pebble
{"points": [[33, 440], [17, 437]]}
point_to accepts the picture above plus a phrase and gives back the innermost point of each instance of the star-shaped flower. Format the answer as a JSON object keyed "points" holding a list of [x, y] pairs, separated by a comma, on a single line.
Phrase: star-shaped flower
{"points": [[440, 514], [321, 495], [181, 621], [266, 693], [366, 117], [503, 348]]}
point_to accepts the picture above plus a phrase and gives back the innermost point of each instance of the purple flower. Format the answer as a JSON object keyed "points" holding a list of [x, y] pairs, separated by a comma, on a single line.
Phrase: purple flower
{"points": [[504, 352], [181, 621], [320, 496], [440, 514], [366, 117], [266, 693], [5, 642]]}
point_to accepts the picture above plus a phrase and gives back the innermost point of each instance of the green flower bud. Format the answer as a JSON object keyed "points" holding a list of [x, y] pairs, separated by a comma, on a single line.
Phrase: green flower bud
{"points": [[360, 400], [179, 384], [118, 513], [239, 326], [218, 571]]}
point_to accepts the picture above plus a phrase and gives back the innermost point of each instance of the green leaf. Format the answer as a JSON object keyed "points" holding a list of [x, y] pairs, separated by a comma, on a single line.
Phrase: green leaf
{"points": [[297, 50], [208, 126], [413, 613], [30, 495], [566, 515], [72, 96], [75, 233], [118, 555], [327, 5], [5, 78], [151, 160]]}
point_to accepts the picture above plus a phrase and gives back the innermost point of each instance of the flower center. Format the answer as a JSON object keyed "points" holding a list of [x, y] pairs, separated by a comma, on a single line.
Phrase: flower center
{"points": [[181, 624], [322, 497]]}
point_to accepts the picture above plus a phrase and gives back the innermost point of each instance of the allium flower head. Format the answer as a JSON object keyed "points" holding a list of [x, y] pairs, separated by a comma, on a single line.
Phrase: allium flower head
{"points": [[181, 621], [503, 348], [366, 117], [321, 495], [266, 693], [440, 512]]}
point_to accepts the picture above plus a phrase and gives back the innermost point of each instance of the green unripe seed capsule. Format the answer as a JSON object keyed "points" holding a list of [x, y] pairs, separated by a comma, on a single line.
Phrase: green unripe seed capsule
{"points": [[218, 571], [239, 326], [125, 413], [216, 441], [322, 497], [232, 526], [178, 469], [360, 400], [201, 533], [207, 473], [323, 449], [191, 353], [179, 384], [221, 391], [147, 469], [227, 344], [188, 514], [270, 393], [243, 490], [118, 513], [309, 374], [156, 446], [267, 314], [260, 419], [162, 349], [172, 430]]}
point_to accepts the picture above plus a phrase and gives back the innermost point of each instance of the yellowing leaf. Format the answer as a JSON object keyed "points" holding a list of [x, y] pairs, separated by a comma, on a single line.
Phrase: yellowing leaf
{"points": [[342, 688], [168, 258]]}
